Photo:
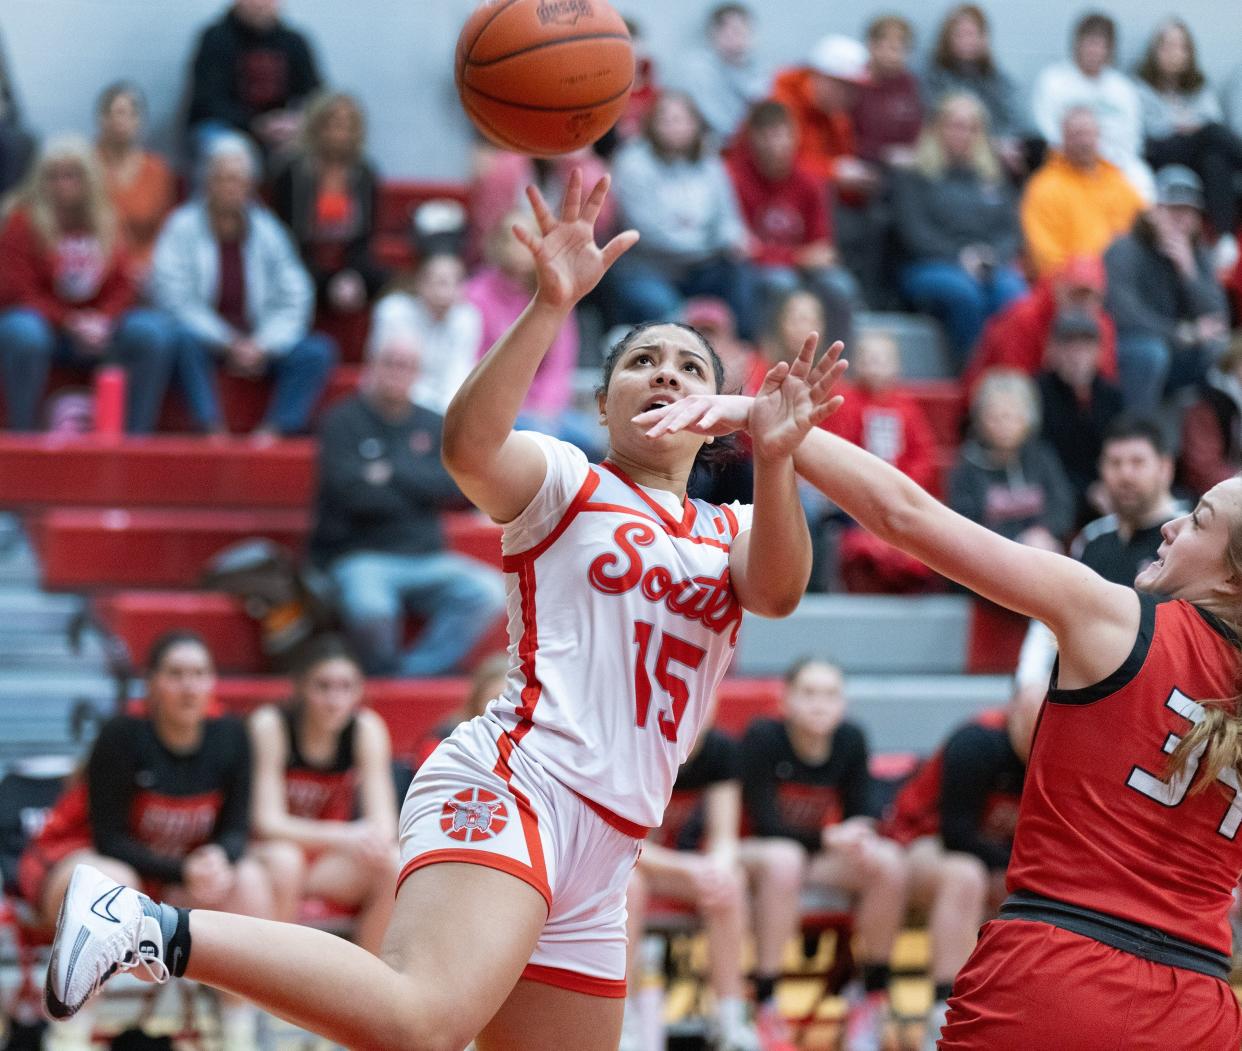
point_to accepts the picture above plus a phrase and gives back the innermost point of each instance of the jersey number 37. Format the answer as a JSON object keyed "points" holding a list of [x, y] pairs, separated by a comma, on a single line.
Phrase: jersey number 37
{"points": [[1172, 791]]}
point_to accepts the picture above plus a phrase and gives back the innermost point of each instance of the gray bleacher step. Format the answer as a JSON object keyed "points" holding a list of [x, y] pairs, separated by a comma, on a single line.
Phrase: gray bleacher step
{"points": [[862, 634], [914, 713], [924, 355], [24, 611]]}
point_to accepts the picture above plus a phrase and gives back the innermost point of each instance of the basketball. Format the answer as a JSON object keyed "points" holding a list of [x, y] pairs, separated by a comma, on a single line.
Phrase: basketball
{"points": [[544, 77]]}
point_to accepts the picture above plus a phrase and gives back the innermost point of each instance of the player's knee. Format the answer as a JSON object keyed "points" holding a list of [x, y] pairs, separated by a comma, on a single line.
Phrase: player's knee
{"points": [[885, 862], [252, 889], [784, 864], [285, 864], [966, 879]]}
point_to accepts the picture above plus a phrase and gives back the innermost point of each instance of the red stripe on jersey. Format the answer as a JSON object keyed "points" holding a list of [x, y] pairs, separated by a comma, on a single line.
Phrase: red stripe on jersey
{"points": [[510, 563], [461, 856], [732, 518], [621, 824], [677, 528], [612, 988], [530, 821], [528, 649]]}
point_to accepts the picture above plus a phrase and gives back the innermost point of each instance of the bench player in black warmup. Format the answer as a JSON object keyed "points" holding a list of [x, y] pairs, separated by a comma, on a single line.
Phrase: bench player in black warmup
{"points": [[323, 803], [809, 796], [163, 805]]}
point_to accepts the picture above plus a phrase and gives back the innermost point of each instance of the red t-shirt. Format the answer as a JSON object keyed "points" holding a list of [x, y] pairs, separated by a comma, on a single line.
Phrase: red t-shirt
{"points": [[783, 215], [892, 426], [1100, 826]]}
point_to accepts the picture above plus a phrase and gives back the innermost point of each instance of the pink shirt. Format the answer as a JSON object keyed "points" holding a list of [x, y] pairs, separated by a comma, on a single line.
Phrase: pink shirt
{"points": [[500, 300]]}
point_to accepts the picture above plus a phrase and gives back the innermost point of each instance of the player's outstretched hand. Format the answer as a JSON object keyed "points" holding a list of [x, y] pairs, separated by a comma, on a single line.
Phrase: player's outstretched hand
{"points": [[568, 263], [798, 388], [794, 397]]}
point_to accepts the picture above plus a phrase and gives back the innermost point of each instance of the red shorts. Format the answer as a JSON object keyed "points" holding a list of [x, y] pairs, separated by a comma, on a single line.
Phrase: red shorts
{"points": [[1030, 986]]}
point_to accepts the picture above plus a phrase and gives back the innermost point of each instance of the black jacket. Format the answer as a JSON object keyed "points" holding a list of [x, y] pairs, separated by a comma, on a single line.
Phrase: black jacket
{"points": [[1011, 498], [240, 73], [381, 485], [293, 199]]}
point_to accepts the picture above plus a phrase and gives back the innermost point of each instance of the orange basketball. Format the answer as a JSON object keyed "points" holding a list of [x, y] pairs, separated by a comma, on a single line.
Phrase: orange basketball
{"points": [[544, 76]]}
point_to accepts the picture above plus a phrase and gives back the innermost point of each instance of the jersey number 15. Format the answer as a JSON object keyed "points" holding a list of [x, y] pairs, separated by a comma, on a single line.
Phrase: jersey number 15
{"points": [[1171, 792], [672, 649]]}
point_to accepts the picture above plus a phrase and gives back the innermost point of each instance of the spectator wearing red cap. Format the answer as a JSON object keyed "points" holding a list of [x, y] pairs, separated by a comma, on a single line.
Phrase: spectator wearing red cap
{"points": [[786, 210], [1016, 337]]}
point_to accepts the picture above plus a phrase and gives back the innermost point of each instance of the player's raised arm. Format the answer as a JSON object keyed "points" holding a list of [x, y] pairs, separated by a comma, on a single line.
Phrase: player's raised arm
{"points": [[498, 469], [771, 562], [1095, 621]]}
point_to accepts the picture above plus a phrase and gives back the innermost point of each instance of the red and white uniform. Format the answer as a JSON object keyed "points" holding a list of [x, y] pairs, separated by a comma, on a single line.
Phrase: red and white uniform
{"points": [[622, 621]]}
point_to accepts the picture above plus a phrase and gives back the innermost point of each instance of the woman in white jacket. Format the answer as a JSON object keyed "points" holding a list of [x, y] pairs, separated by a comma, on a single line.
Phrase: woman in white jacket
{"points": [[226, 270]]}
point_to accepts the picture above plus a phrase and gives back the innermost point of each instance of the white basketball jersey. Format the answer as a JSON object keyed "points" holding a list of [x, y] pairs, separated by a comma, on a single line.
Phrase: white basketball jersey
{"points": [[622, 622]]}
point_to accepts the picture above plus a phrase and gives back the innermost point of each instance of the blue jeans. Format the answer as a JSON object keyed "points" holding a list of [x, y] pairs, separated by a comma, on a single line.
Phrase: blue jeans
{"points": [[458, 597], [961, 302], [299, 375], [143, 341], [1149, 368], [637, 290]]}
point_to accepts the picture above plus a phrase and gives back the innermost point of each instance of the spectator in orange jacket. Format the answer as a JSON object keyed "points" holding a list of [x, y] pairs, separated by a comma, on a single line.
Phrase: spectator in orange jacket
{"points": [[821, 95], [67, 291], [1077, 202], [1016, 338]]}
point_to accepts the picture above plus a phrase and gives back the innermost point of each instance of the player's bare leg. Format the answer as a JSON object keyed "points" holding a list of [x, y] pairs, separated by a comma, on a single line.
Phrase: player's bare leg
{"points": [[460, 937], [538, 1017]]}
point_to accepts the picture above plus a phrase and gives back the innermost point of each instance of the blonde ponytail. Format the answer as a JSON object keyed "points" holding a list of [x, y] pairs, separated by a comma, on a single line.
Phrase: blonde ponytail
{"points": [[1219, 735]]}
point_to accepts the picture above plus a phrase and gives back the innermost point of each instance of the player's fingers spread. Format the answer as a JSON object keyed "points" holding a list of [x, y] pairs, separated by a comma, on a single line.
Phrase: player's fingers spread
{"points": [[595, 202], [543, 214], [526, 237], [619, 245], [571, 205]]}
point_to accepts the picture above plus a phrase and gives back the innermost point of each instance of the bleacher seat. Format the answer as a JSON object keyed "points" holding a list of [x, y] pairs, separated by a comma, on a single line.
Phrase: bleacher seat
{"points": [[139, 617], [89, 548], [166, 471]]}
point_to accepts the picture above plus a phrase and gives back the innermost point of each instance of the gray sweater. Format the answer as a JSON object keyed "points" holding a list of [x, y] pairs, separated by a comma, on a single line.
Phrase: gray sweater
{"points": [[995, 91], [686, 211], [937, 217], [1147, 294], [1169, 113]]}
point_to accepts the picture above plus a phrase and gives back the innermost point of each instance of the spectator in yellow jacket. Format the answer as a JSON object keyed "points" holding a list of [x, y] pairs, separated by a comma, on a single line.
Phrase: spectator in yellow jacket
{"points": [[1077, 203]]}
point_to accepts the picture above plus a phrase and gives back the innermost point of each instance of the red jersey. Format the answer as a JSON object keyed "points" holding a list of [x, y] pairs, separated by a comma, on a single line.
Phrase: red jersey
{"points": [[1101, 826], [991, 802], [319, 793]]}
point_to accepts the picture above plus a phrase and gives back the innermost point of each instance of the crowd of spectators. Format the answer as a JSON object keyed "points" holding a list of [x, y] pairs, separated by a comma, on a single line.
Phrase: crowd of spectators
{"points": [[866, 173], [1074, 254]]}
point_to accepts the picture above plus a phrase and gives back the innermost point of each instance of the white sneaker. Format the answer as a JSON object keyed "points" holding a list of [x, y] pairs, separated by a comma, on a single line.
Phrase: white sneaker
{"points": [[102, 929]]}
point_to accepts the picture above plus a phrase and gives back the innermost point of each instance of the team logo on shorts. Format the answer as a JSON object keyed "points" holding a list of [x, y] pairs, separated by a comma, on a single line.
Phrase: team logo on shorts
{"points": [[473, 814]]}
